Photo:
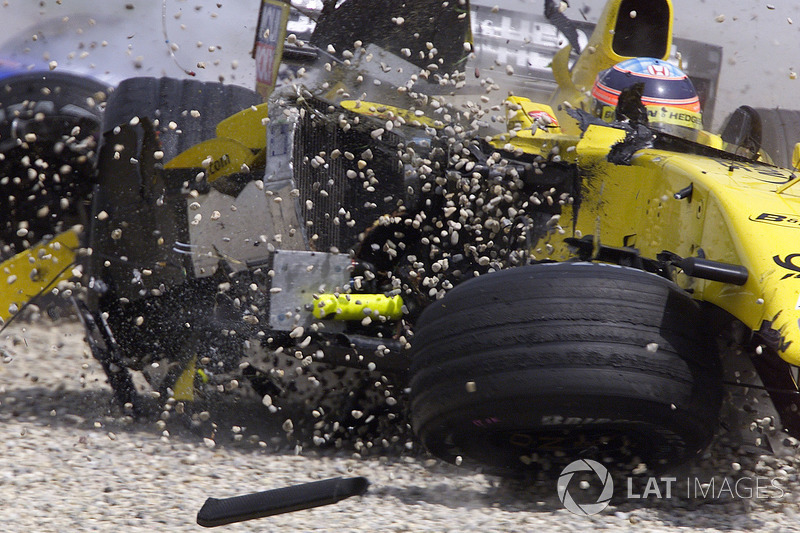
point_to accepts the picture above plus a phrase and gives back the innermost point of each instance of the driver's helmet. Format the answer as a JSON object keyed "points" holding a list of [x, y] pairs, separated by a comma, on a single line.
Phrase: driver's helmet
{"points": [[669, 97]]}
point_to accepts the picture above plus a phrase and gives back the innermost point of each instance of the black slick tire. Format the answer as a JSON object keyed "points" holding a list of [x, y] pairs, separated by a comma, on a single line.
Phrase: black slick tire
{"points": [[521, 368], [780, 132]]}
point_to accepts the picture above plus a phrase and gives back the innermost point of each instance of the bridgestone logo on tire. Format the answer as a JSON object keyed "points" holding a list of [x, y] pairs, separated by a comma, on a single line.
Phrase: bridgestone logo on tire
{"points": [[585, 465]]}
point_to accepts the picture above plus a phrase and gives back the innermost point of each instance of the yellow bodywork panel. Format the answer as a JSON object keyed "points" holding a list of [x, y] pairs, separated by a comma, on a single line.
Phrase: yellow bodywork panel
{"points": [[29, 273], [523, 114], [709, 139], [389, 112], [217, 157], [534, 129], [247, 127]]}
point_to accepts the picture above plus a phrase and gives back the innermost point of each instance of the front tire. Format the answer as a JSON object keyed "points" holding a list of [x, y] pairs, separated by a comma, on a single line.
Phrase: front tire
{"points": [[552, 362]]}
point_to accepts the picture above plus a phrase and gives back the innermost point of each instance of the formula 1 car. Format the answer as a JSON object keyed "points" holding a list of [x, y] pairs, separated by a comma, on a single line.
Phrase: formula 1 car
{"points": [[559, 289]]}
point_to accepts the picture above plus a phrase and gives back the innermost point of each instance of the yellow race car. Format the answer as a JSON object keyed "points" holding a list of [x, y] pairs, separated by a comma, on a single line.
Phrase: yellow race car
{"points": [[561, 289]]}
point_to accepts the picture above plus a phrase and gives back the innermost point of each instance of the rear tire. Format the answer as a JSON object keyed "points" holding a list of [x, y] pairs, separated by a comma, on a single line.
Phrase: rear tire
{"points": [[149, 121], [780, 132], [547, 363], [194, 106], [141, 214]]}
